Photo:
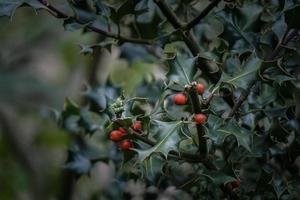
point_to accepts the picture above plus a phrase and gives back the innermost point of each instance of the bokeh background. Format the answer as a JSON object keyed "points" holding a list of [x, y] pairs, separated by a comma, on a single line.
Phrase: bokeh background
{"points": [[41, 65]]}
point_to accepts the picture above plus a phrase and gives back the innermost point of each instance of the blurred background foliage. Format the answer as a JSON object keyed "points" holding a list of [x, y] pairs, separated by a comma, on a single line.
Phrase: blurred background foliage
{"points": [[40, 65]]}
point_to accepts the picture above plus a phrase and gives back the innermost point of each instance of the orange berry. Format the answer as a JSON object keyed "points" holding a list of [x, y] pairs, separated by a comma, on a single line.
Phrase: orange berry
{"points": [[116, 135], [125, 145], [179, 99], [121, 129], [200, 88], [137, 125], [199, 118]]}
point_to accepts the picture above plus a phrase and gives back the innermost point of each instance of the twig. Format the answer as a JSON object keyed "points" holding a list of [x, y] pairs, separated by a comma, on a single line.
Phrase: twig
{"points": [[241, 99], [123, 39], [197, 109], [205, 12], [170, 15]]}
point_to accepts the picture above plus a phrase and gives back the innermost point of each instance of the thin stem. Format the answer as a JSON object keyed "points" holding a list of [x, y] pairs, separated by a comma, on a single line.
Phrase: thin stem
{"points": [[123, 39], [200, 129], [205, 12], [242, 98]]}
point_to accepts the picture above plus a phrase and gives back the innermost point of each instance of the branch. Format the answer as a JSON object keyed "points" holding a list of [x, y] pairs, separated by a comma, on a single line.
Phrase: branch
{"points": [[205, 12], [242, 98], [59, 14], [192, 91], [190, 41], [202, 140], [170, 15]]}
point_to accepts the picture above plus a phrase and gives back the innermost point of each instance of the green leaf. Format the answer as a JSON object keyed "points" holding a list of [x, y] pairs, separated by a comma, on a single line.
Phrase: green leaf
{"points": [[242, 135], [90, 121], [124, 122], [168, 138], [181, 69], [245, 76], [129, 77], [218, 177], [279, 187], [278, 133], [78, 163], [8, 7], [239, 23], [279, 27], [291, 17], [277, 75], [264, 180]]}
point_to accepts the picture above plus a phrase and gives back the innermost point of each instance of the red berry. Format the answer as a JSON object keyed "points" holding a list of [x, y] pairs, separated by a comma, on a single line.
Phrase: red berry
{"points": [[179, 99], [116, 135], [125, 145], [200, 88], [137, 125], [199, 118], [122, 130], [235, 184]]}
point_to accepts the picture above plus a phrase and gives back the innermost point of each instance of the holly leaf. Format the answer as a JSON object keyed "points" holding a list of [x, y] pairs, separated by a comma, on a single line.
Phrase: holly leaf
{"points": [[167, 135], [238, 23], [181, 69], [278, 133], [78, 163], [243, 77], [277, 75], [218, 177], [264, 180], [90, 121], [8, 7], [242, 135]]}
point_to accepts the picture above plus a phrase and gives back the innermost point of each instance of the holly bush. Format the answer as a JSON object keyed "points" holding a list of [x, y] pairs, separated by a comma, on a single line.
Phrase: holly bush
{"points": [[206, 106]]}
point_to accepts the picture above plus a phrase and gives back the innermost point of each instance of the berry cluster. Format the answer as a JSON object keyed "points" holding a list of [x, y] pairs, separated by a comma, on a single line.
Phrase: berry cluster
{"points": [[182, 98], [117, 136]]}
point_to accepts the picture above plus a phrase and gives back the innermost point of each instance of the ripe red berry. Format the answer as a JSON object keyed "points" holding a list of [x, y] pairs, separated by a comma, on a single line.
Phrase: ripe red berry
{"points": [[235, 184], [125, 145], [137, 125], [200, 88], [179, 99], [199, 118], [116, 135], [122, 130]]}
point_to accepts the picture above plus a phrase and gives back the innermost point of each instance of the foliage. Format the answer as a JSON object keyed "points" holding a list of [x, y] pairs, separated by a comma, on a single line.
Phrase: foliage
{"points": [[247, 54]]}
